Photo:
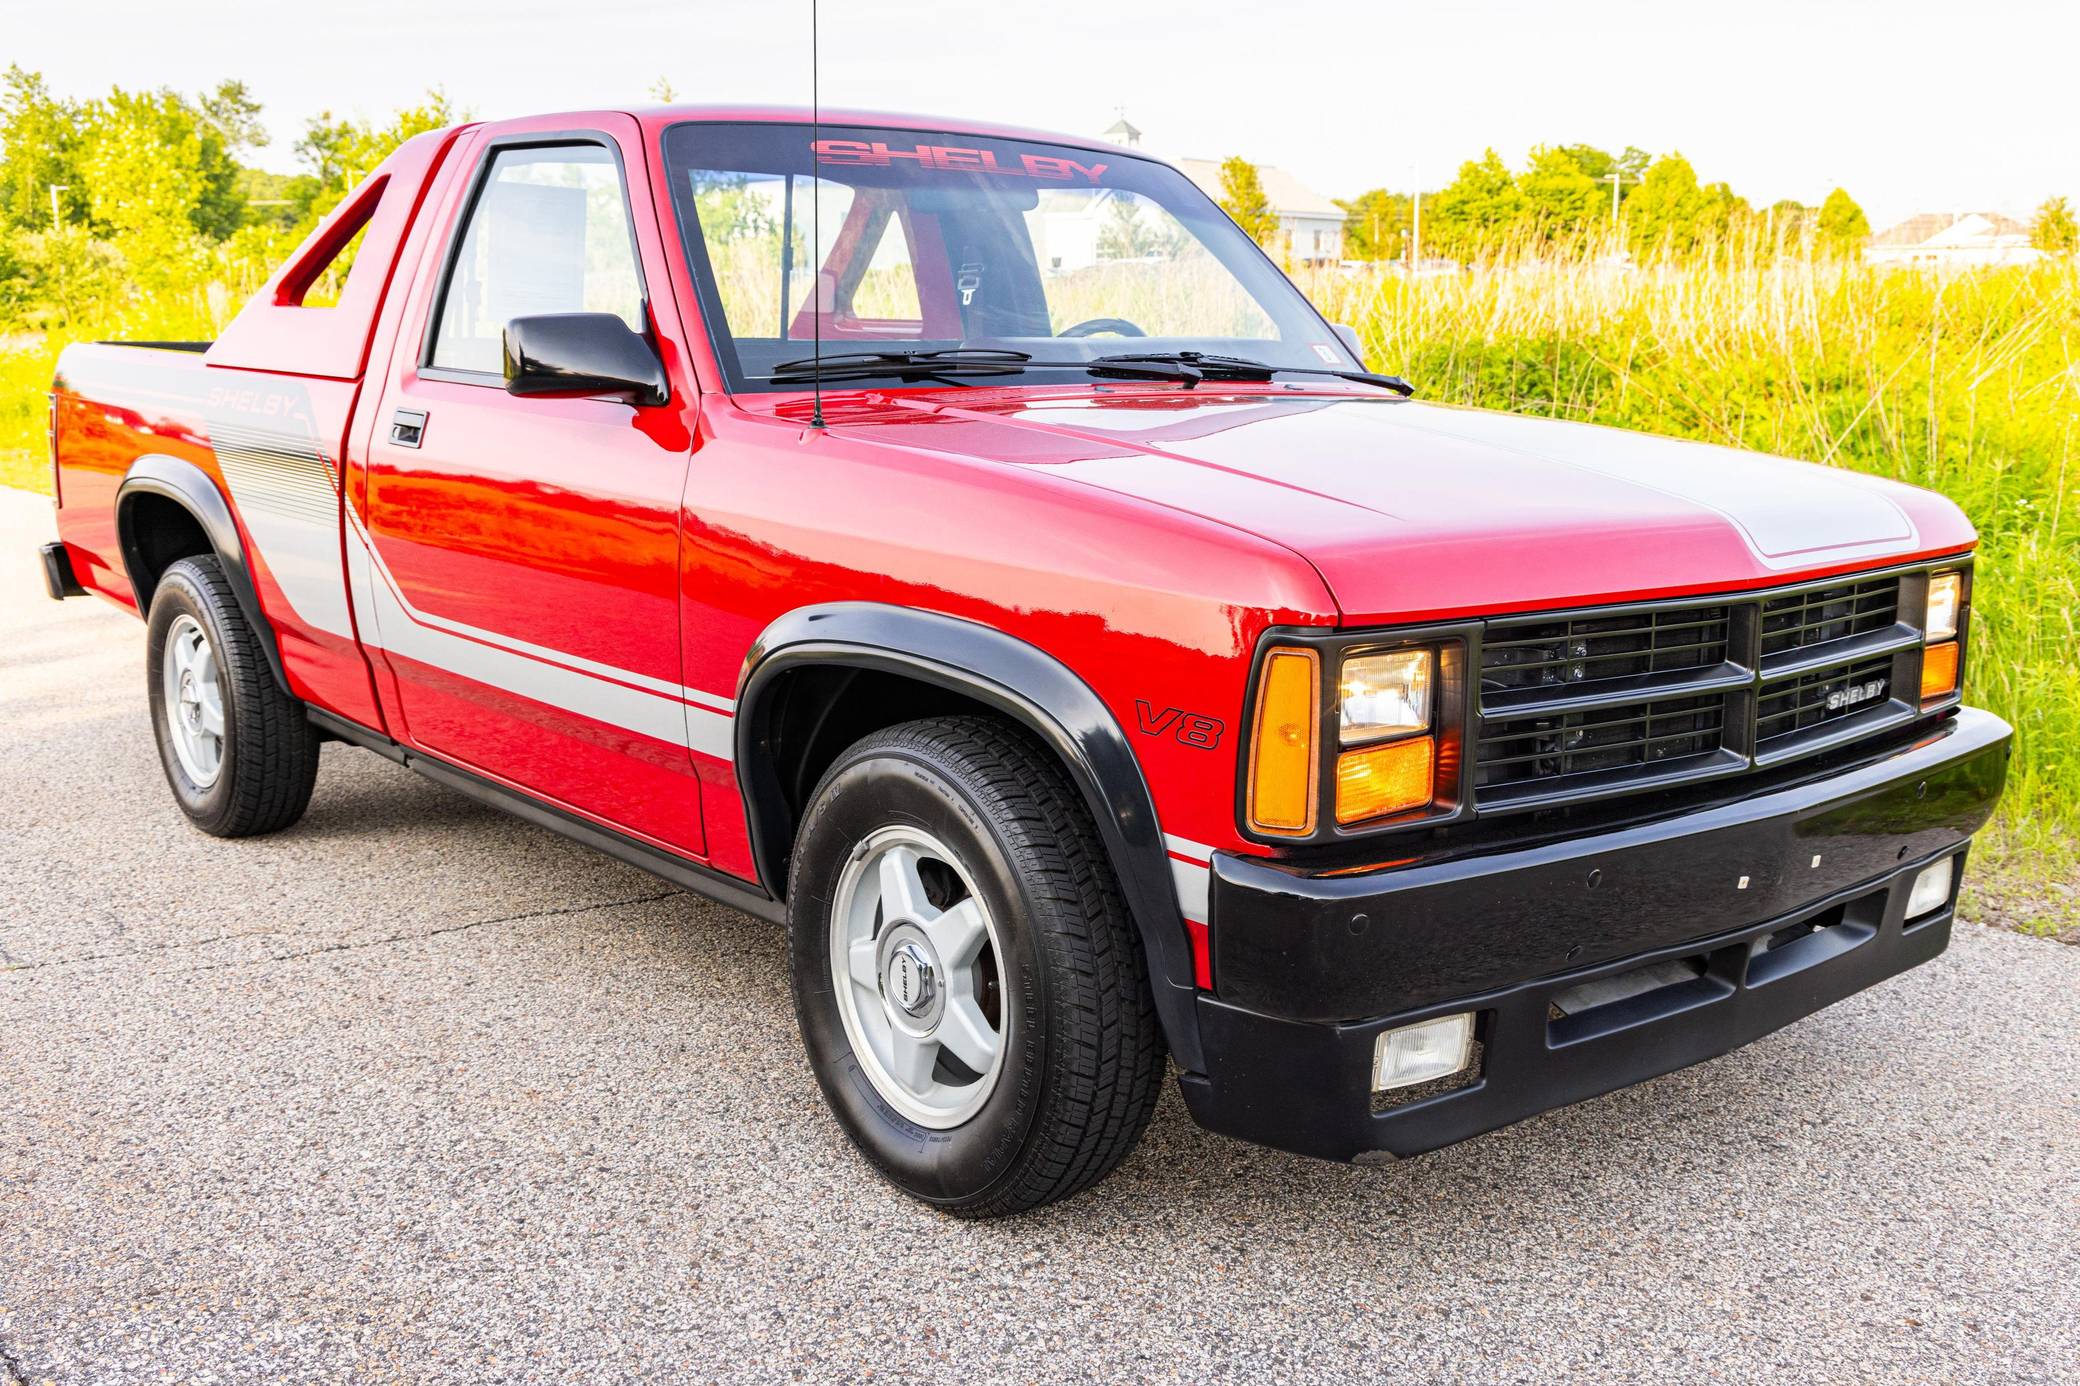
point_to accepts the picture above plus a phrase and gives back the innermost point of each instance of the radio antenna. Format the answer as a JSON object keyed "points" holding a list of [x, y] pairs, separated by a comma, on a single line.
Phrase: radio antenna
{"points": [[815, 228]]}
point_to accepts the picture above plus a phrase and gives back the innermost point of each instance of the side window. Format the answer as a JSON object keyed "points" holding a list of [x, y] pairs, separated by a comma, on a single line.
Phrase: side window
{"points": [[549, 234]]}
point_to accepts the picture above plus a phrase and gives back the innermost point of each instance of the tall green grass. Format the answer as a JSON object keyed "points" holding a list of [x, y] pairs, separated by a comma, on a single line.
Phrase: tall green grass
{"points": [[1967, 383]]}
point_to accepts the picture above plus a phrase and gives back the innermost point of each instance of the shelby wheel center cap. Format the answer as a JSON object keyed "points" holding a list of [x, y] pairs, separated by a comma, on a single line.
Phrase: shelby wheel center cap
{"points": [[909, 980]]}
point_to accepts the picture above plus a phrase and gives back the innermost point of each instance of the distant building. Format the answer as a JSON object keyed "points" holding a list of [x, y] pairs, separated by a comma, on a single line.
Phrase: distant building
{"points": [[1952, 240], [1123, 131], [1310, 225]]}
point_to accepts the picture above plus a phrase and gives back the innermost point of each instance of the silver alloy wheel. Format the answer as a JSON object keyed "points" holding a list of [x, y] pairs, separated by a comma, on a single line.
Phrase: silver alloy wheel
{"points": [[194, 700], [919, 983]]}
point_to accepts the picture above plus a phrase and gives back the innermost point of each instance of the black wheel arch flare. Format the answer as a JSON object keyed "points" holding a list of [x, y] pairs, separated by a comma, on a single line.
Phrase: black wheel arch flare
{"points": [[189, 487], [1019, 681]]}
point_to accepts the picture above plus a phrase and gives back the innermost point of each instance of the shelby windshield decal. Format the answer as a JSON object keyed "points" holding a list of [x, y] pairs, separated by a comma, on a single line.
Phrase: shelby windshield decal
{"points": [[955, 158]]}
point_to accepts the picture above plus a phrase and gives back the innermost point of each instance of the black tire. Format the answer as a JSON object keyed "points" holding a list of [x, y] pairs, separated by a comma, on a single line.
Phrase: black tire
{"points": [[270, 750], [1084, 1062]]}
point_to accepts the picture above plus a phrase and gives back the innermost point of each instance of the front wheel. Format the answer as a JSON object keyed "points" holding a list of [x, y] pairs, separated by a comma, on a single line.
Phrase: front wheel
{"points": [[971, 991]]}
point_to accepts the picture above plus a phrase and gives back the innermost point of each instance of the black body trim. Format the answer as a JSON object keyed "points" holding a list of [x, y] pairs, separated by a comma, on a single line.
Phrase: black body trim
{"points": [[1766, 910], [1018, 680], [687, 875], [188, 486], [58, 578]]}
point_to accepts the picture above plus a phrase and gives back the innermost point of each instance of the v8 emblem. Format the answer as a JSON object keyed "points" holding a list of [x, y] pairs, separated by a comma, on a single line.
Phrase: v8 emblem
{"points": [[1189, 728]]}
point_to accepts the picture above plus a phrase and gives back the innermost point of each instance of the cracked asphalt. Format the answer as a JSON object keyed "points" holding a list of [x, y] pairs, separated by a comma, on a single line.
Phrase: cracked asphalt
{"points": [[414, 1091]]}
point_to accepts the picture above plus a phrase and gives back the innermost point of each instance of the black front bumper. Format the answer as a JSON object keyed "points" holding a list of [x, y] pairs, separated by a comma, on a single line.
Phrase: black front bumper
{"points": [[1772, 906]]}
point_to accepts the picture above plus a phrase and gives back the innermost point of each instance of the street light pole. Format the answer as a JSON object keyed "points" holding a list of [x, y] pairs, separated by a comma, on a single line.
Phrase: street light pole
{"points": [[57, 223], [1615, 178], [1415, 233]]}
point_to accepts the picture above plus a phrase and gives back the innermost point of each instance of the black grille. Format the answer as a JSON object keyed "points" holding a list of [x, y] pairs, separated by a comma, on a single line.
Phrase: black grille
{"points": [[1592, 703], [1590, 649], [1515, 749], [1815, 617], [1800, 704]]}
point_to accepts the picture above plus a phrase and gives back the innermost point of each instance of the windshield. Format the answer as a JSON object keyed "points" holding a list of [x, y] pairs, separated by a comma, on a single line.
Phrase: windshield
{"points": [[934, 241]]}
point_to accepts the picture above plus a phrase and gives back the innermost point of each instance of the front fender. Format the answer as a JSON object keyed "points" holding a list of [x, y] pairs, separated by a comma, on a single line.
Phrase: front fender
{"points": [[1018, 680]]}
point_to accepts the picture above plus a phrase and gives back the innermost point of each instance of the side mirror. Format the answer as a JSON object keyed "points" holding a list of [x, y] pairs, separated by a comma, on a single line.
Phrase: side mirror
{"points": [[1348, 335], [581, 354]]}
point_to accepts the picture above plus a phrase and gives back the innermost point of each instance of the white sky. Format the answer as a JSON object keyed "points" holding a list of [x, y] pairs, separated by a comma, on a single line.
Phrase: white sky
{"points": [[1911, 104]]}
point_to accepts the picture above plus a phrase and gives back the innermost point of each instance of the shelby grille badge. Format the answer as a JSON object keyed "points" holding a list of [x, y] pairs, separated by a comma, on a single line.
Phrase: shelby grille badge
{"points": [[1850, 694]]}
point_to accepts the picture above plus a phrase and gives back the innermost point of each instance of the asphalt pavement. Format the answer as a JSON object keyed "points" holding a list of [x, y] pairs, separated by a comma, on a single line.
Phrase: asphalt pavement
{"points": [[414, 1091]]}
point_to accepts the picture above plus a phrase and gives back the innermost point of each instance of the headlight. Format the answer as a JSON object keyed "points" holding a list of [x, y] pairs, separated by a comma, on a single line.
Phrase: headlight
{"points": [[1384, 759], [1945, 596], [1385, 695]]}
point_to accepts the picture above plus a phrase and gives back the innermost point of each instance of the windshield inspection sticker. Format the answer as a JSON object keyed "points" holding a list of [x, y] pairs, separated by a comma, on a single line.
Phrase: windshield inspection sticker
{"points": [[956, 159], [1330, 356]]}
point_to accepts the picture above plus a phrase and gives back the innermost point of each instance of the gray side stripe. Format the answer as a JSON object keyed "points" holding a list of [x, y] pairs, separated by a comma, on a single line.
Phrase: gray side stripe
{"points": [[605, 694]]}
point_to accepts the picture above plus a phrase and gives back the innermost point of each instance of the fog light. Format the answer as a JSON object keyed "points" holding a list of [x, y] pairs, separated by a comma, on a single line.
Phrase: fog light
{"points": [[1931, 888], [1418, 1053]]}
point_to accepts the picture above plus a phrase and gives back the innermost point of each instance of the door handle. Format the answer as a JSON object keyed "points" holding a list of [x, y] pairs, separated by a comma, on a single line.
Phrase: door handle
{"points": [[408, 427]]}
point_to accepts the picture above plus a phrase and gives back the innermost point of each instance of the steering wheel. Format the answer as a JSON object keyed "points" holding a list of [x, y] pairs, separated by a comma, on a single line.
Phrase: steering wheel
{"points": [[1091, 327]]}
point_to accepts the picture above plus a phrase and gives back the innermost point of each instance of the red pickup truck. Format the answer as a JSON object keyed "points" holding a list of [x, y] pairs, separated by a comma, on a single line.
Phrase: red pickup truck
{"points": [[963, 546]]}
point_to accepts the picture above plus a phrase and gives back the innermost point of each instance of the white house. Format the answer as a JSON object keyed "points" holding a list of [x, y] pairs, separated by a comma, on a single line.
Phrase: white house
{"points": [[1310, 224], [1952, 240]]}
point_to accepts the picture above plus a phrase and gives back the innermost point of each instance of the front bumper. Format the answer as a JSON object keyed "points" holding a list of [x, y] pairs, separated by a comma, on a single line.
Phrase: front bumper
{"points": [[1773, 906]]}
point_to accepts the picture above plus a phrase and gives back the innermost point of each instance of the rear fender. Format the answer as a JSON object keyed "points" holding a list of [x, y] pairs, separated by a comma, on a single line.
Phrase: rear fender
{"points": [[191, 488]]}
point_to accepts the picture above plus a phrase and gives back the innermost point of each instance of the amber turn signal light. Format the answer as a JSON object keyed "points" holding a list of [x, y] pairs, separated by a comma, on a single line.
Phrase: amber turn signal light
{"points": [[1384, 779], [1284, 778], [1938, 671]]}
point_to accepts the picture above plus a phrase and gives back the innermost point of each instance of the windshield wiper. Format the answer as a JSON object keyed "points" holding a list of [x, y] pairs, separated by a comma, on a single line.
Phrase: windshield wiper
{"points": [[1211, 366], [971, 361], [850, 365], [1185, 367]]}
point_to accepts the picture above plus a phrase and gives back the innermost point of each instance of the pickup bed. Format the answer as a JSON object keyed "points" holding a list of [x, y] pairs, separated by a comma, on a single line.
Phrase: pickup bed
{"points": [[964, 547]]}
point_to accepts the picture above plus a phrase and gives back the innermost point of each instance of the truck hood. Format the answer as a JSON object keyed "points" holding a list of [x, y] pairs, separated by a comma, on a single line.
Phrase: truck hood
{"points": [[1413, 511]]}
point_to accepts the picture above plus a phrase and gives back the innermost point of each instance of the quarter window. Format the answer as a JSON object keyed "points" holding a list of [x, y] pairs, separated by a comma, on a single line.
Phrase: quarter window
{"points": [[549, 233]]}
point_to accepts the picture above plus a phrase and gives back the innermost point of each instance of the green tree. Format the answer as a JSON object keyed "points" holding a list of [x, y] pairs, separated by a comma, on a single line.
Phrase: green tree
{"points": [[1476, 211], [235, 115], [1630, 166], [272, 199], [1841, 223], [1672, 213], [1790, 217], [1562, 188], [1243, 198], [1375, 225], [2054, 231], [340, 153], [160, 180], [39, 147]]}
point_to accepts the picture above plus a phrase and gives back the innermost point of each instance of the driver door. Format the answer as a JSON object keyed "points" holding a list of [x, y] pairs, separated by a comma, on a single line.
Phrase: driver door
{"points": [[527, 548]]}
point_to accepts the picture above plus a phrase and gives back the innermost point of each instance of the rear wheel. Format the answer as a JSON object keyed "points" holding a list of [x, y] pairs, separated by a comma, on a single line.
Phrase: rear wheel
{"points": [[239, 753], [971, 991]]}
